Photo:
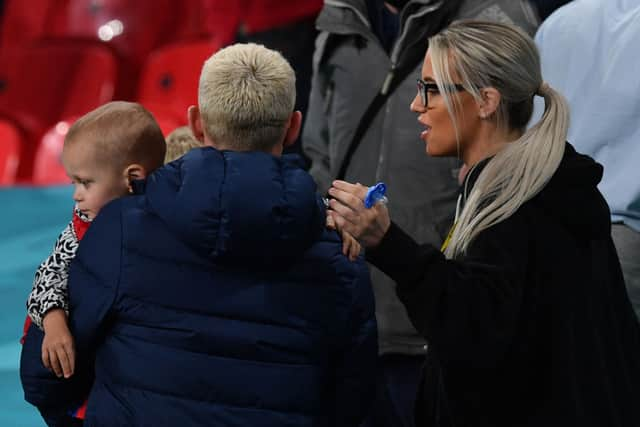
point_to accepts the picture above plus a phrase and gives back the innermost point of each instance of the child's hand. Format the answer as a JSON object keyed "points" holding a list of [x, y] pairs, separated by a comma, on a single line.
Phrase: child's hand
{"points": [[58, 349], [331, 224], [350, 246]]}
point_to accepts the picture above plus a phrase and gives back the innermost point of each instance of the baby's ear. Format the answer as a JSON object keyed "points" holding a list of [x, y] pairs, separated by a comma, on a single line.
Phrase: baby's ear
{"points": [[135, 171]]}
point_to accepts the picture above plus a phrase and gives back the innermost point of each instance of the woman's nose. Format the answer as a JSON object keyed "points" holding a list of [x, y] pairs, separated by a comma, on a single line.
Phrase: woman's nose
{"points": [[416, 105]]}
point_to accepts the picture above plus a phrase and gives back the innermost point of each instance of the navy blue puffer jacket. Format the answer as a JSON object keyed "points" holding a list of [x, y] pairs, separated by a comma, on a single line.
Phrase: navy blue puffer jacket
{"points": [[219, 298]]}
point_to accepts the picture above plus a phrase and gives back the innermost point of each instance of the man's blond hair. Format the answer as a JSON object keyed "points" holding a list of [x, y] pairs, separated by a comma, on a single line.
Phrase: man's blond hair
{"points": [[123, 133], [246, 96], [179, 142]]}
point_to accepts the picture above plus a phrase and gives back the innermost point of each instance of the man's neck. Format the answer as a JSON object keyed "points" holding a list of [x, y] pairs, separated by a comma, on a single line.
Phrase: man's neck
{"points": [[276, 150]]}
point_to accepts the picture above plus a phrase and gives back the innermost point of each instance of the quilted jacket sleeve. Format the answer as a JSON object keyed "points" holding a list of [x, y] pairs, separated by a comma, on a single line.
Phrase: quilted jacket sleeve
{"points": [[93, 283], [94, 279], [356, 374]]}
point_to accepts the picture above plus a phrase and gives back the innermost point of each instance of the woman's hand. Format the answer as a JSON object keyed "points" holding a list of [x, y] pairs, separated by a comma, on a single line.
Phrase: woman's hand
{"points": [[58, 349], [349, 213]]}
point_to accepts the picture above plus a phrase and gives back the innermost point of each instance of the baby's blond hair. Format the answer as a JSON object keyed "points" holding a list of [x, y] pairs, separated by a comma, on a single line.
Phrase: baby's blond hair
{"points": [[123, 133]]}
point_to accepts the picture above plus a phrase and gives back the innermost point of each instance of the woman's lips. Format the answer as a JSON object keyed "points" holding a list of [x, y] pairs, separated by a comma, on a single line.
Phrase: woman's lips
{"points": [[425, 132]]}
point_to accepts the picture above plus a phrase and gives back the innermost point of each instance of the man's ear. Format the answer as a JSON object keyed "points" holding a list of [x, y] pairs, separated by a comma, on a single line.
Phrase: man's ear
{"points": [[490, 102], [134, 172], [195, 122], [293, 131]]}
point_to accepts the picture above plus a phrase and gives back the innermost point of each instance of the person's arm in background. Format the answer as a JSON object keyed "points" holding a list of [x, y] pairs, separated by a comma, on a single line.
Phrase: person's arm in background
{"points": [[356, 373], [315, 135], [94, 279], [547, 7]]}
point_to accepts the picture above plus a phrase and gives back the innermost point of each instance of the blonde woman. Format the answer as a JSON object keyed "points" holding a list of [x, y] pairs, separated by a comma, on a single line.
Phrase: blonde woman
{"points": [[524, 307]]}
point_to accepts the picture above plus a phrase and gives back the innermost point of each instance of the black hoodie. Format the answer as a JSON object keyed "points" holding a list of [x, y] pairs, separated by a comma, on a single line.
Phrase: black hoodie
{"points": [[533, 326]]}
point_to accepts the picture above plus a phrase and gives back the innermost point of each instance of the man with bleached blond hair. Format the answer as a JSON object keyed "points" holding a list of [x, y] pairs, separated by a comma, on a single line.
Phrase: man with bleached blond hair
{"points": [[246, 99], [216, 296]]}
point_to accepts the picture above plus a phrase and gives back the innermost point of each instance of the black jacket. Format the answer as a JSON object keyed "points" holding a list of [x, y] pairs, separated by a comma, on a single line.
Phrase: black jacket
{"points": [[533, 326]]}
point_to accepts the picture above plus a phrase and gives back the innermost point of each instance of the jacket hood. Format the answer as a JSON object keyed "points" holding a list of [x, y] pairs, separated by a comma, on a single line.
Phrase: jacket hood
{"points": [[345, 16], [572, 196], [418, 20], [238, 207]]}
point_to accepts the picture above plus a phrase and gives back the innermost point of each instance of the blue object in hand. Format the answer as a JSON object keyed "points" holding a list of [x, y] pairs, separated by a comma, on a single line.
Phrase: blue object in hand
{"points": [[375, 193]]}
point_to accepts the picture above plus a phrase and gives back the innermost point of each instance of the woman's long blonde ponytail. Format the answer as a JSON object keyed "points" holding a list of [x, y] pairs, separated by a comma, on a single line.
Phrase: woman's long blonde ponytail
{"points": [[494, 55]]}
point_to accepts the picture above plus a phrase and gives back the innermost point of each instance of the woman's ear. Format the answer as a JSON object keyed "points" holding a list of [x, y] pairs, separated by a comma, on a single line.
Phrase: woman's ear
{"points": [[490, 102]]}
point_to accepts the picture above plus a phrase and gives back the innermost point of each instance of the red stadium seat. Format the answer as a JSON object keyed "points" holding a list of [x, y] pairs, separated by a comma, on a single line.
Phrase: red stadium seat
{"points": [[133, 28], [262, 15], [192, 24], [53, 80], [222, 18], [47, 166], [49, 81], [10, 145], [168, 123], [169, 81], [24, 22], [130, 28]]}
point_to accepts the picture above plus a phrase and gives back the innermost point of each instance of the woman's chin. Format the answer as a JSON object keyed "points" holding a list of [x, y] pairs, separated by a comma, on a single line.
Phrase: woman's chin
{"points": [[435, 150], [432, 150]]}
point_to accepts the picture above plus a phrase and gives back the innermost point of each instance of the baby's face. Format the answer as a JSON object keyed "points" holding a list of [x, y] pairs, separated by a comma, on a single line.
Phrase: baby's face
{"points": [[96, 182]]}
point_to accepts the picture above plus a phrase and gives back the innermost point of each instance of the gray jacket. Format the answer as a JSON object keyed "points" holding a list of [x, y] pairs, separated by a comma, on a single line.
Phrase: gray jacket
{"points": [[350, 68]]}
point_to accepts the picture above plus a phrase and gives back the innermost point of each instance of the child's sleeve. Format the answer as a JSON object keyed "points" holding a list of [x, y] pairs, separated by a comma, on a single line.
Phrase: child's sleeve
{"points": [[50, 283]]}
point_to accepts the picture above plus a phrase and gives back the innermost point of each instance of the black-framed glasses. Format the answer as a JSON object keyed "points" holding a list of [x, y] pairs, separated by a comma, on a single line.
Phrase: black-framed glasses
{"points": [[426, 88]]}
